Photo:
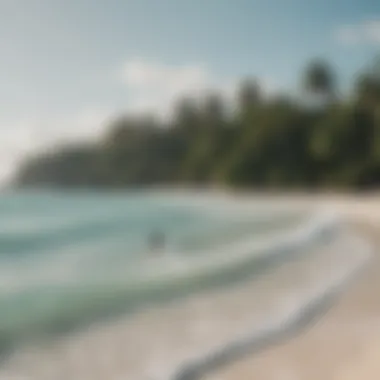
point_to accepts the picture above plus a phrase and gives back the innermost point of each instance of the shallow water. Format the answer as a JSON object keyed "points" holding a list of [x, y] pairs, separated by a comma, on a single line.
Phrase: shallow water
{"points": [[192, 338], [68, 258], [241, 273]]}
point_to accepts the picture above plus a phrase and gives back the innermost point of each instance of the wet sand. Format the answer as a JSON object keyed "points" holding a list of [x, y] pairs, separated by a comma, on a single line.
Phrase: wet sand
{"points": [[151, 344], [345, 343]]}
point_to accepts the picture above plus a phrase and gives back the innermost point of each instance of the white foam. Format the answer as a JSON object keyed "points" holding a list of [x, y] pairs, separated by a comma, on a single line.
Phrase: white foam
{"points": [[294, 311], [160, 358], [236, 253]]}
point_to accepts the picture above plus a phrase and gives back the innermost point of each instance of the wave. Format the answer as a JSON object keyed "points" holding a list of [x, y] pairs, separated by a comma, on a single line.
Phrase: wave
{"points": [[63, 295], [57, 309], [320, 226], [294, 316]]}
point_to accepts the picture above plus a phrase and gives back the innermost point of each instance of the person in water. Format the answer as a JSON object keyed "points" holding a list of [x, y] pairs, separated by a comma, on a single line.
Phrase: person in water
{"points": [[157, 241]]}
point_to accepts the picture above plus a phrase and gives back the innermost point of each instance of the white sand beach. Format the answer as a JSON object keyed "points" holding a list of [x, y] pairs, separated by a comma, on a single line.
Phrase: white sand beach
{"points": [[151, 345], [345, 343]]}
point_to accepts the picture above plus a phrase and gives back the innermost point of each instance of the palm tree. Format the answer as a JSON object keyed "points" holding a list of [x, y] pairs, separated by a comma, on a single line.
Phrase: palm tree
{"points": [[186, 114], [213, 111], [367, 91], [319, 82], [248, 96]]}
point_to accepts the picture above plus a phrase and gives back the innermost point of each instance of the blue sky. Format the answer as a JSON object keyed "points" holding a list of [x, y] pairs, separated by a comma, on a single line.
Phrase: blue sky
{"points": [[66, 65]]}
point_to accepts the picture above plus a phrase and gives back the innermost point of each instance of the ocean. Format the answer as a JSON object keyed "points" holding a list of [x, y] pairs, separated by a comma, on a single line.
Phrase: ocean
{"points": [[73, 259]]}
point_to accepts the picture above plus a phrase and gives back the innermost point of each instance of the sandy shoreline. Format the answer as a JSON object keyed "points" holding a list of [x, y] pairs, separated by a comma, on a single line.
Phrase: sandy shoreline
{"points": [[145, 346], [345, 343]]}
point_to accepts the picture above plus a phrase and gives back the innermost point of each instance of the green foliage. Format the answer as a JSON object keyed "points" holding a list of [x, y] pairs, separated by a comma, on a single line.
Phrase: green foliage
{"points": [[263, 143], [319, 78]]}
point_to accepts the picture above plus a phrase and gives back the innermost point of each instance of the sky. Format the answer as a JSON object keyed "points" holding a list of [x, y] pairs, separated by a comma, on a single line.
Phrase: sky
{"points": [[67, 66]]}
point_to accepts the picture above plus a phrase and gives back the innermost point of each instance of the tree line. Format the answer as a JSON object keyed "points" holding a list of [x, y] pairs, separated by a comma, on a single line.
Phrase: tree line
{"points": [[320, 139]]}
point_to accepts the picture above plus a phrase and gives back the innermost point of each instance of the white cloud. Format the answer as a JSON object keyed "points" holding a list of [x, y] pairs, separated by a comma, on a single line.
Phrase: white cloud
{"points": [[143, 75], [15, 140], [21, 138], [152, 86], [87, 125], [155, 87], [366, 32]]}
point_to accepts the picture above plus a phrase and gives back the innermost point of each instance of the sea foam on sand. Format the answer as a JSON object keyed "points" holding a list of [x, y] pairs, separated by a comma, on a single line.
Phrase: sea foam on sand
{"points": [[191, 337]]}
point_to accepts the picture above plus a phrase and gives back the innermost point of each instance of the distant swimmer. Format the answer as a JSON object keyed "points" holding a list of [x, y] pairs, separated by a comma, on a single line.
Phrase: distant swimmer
{"points": [[157, 241]]}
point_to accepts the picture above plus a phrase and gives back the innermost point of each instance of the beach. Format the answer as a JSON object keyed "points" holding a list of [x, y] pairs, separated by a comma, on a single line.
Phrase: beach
{"points": [[223, 326], [345, 343]]}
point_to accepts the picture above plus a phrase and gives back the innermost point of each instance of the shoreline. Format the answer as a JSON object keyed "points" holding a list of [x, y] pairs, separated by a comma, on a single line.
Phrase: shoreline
{"points": [[172, 333], [177, 332], [308, 313], [250, 257], [341, 346]]}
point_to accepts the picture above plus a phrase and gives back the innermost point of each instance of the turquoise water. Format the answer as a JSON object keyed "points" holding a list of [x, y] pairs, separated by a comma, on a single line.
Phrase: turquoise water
{"points": [[66, 259]]}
